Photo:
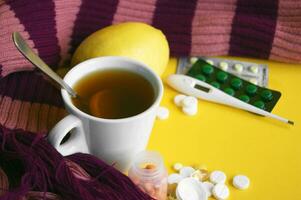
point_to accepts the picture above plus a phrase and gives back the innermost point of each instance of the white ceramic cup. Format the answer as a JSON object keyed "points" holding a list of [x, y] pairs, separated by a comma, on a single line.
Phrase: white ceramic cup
{"points": [[116, 141]]}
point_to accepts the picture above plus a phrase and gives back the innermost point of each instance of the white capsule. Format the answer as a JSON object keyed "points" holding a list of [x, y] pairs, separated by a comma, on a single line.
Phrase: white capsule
{"points": [[217, 177], [220, 191], [253, 80], [254, 69], [191, 110], [210, 62], [186, 171], [162, 113], [208, 188], [174, 178], [178, 99], [224, 65], [241, 182], [238, 67], [189, 101], [193, 60], [177, 166], [190, 189]]}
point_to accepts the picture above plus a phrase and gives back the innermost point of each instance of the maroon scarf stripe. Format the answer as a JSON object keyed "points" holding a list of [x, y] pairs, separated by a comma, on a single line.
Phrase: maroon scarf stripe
{"points": [[250, 15], [41, 26], [30, 87], [93, 15], [168, 17]]}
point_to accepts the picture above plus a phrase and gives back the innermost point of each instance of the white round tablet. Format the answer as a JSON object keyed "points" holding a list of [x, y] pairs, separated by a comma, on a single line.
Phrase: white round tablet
{"points": [[191, 110], [179, 99], [189, 101], [241, 182], [238, 67], [254, 69], [174, 178], [224, 65], [220, 191], [186, 171], [162, 113], [217, 177], [177, 166], [210, 62], [253, 80], [192, 60], [208, 188], [190, 189]]}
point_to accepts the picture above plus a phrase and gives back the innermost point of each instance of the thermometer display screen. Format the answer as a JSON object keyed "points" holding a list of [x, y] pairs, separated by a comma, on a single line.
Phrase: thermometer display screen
{"points": [[202, 88]]}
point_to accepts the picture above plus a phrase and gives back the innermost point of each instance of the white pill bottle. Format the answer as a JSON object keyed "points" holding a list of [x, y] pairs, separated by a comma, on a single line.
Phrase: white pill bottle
{"points": [[149, 174]]}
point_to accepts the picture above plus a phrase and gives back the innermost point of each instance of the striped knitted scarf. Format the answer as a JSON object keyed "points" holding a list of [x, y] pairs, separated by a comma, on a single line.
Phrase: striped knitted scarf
{"points": [[268, 29]]}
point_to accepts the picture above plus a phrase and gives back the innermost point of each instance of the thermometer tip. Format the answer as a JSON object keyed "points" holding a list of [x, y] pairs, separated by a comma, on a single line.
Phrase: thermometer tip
{"points": [[290, 122]]}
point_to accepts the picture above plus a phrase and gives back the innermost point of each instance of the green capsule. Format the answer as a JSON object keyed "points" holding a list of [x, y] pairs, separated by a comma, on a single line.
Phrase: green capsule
{"points": [[267, 95], [215, 84], [259, 104], [200, 77], [244, 98], [251, 89], [229, 91], [222, 76], [236, 83], [207, 69]]}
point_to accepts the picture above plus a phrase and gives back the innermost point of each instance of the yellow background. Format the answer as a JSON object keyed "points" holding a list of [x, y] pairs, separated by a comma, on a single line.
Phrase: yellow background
{"points": [[238, 142]]}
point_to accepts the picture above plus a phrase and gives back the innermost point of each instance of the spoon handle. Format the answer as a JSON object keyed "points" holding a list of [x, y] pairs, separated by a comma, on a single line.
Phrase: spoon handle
{"points": [[38, 62]]}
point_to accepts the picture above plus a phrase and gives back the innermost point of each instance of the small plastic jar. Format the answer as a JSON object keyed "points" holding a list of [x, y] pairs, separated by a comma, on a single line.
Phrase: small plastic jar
{"points": [[148, 173]]}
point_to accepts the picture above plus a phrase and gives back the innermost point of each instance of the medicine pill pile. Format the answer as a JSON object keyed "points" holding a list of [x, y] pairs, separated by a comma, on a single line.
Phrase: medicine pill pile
{"points": [[199, 184], [188, 104], [252, 72], [262, 98]]}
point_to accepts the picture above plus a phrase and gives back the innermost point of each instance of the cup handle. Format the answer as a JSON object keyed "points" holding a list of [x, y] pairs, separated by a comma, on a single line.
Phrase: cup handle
{"points": [[77, 140]]}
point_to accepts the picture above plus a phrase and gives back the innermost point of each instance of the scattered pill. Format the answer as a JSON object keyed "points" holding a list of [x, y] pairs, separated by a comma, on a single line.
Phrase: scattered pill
{"points": [[190, 189], [224, 65], [241, 182], [178, 99], [220, 191], [217, 177], [177, 166], [208, 188], [162, 113], [254, 69], [186, 171], [197, 174], [190, 110], [210, 62], [189, 101], [193, 60], [174, 178], [238, 67]]}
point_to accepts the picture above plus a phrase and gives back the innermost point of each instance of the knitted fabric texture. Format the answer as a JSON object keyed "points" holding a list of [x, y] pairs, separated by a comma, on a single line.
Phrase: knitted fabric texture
{"points": [[267, 29]]}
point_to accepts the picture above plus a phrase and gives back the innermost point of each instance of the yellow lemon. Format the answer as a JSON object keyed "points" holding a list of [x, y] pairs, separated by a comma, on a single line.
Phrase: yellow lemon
{"points": [[130, 39]]}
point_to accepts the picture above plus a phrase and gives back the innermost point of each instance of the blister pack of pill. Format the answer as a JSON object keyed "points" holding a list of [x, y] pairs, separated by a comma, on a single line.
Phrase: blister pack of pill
{"points": [[252, 72], [233, 85]]}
